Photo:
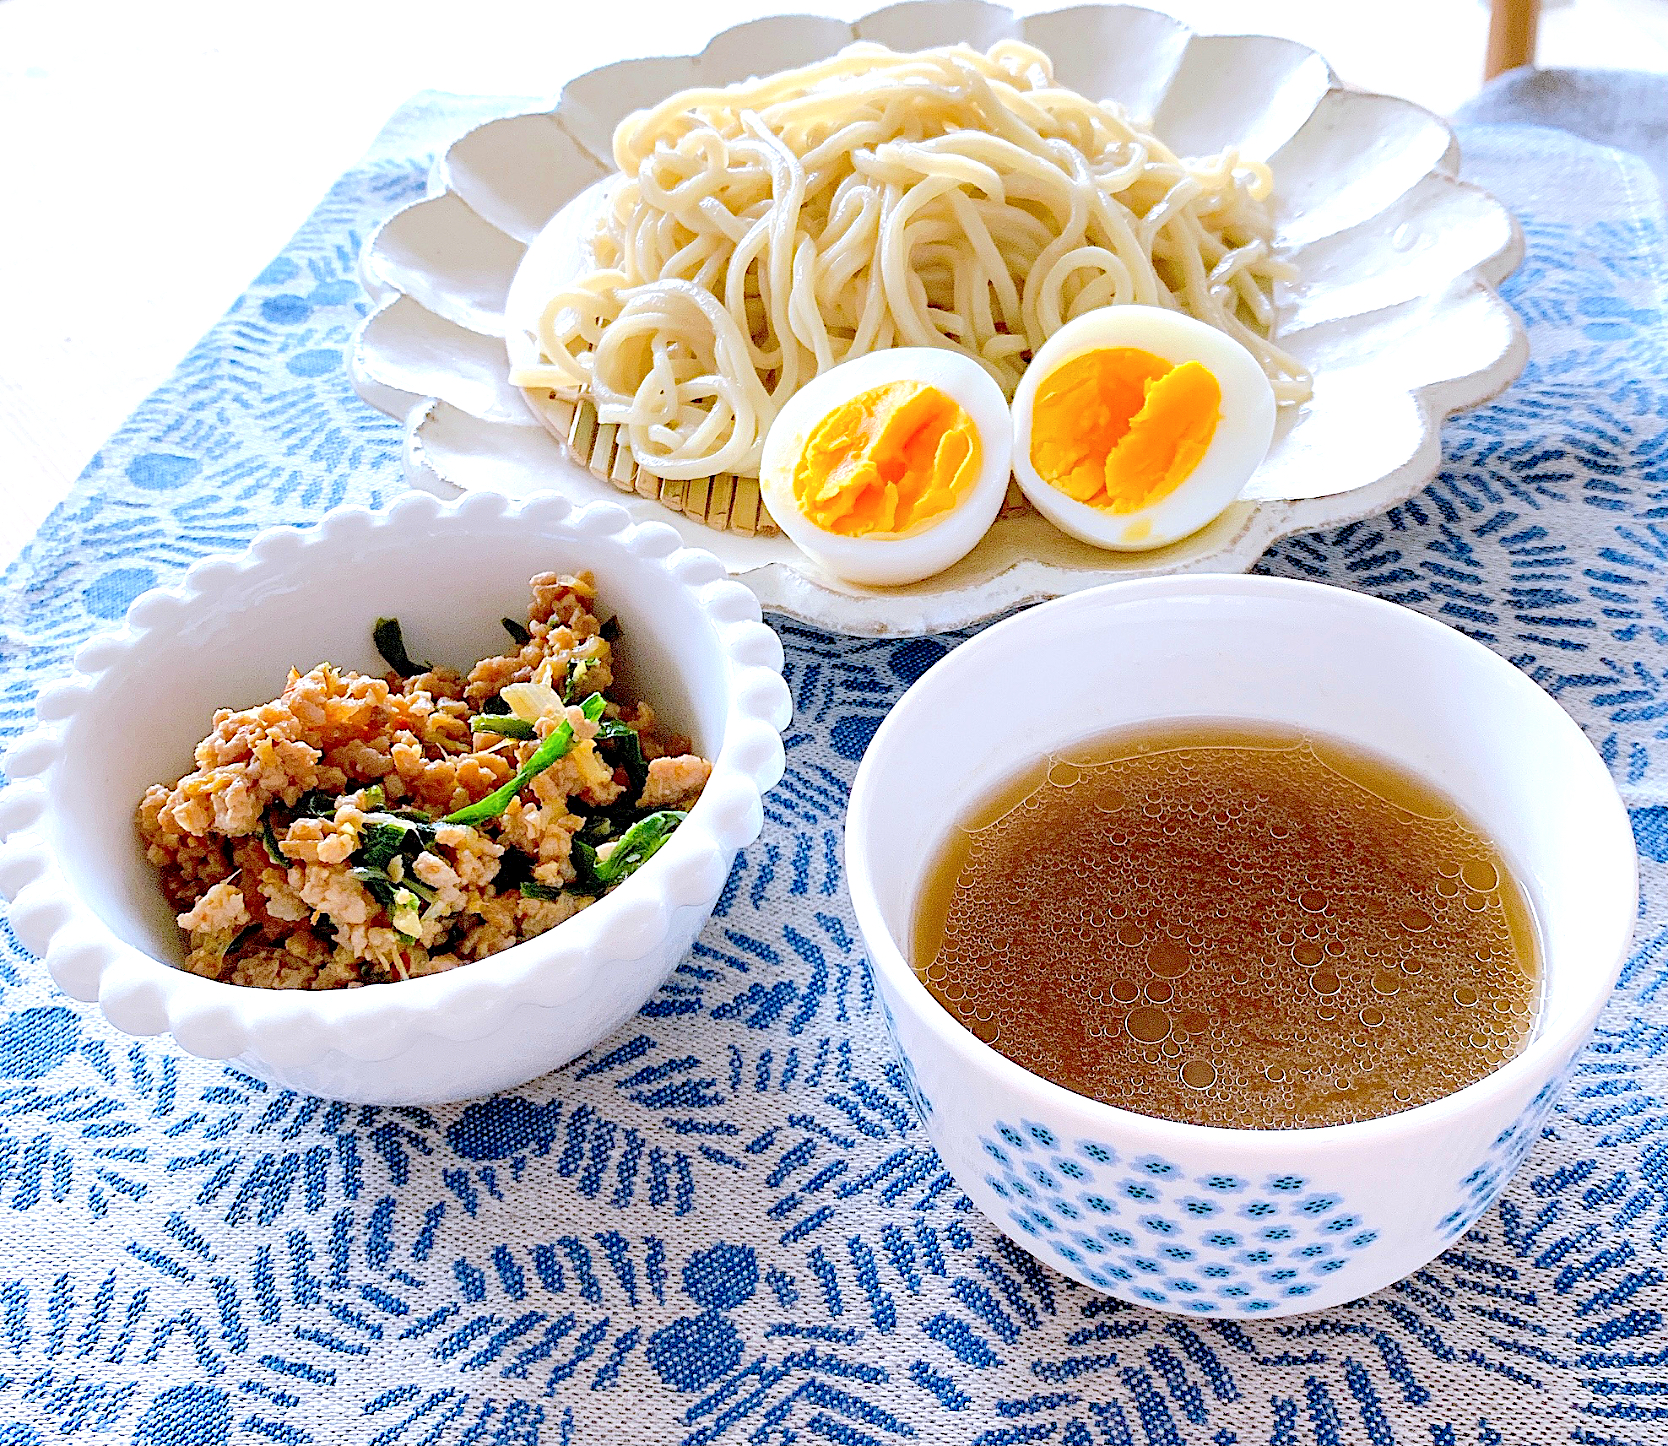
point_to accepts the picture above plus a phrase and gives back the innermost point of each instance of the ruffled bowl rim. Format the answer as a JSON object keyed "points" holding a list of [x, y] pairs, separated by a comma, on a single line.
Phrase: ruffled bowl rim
{"points": [[142, 995]]}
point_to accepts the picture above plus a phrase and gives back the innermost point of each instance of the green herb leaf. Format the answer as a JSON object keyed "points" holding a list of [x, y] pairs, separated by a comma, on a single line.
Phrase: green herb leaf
{"points": [[377, 884], [514, 868], [381, 844], [553, 748], [609, 822], [269, 837], [404, 898], [517, 632], [532, 889], [236, 942], [622, 748], [637, 845], [391, 644], [505, 725], [413, 823], [316, 804], [377, 845], [600, 827], [387, 835], [425, 892]]}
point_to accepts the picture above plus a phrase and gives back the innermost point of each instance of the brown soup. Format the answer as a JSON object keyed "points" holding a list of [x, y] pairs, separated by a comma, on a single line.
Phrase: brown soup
{"points": [[1231, 924]]}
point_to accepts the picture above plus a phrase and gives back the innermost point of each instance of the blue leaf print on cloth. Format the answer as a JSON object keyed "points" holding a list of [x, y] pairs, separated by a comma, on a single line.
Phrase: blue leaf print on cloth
{"points": [[724, 1223]]}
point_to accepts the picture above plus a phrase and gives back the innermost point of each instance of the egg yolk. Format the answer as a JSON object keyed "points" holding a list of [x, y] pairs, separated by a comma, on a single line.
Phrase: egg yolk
{"points": [[1120, 428], [889, 460]]}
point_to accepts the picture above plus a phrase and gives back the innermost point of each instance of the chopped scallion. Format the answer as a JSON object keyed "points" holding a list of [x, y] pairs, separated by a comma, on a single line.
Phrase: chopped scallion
{"points": [[547, 753], [505, 725], [406, 913]]}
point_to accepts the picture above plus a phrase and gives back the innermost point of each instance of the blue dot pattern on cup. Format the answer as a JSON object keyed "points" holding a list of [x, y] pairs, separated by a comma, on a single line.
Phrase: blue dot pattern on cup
{"points": [[1478, 1188], [1142, 1228]]}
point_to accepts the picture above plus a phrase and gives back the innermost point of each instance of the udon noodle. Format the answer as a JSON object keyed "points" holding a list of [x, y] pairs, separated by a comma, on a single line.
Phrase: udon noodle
{"points": [[760, 233]]}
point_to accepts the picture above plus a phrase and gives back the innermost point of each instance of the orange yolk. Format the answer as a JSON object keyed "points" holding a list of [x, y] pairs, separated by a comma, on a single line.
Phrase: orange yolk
{"points": [[889, 460], [1120, 428]]}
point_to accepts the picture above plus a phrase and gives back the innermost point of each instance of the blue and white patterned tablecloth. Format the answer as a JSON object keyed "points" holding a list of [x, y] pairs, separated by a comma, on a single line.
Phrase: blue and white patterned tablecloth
{"points": [[724, 1224]]}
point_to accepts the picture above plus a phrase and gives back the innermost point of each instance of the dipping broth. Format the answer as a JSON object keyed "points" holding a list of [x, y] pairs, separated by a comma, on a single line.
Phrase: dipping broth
{"points": [[1231, 924]]}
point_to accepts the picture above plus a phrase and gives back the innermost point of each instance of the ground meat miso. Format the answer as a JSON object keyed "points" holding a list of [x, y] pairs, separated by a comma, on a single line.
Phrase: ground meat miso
{"points": [[364, 830], [1231, 925]]}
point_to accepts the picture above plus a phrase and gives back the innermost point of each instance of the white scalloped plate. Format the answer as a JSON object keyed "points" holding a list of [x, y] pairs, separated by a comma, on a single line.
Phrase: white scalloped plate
{"points": [[1396, 313]]}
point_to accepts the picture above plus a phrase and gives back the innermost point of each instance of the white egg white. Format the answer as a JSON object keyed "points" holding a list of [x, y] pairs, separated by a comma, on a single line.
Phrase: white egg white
{"points": [[1236, 449], [892, 559]]}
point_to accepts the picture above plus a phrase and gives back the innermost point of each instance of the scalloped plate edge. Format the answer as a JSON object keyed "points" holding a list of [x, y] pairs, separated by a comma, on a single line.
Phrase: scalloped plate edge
{"points": [[783, 590]]}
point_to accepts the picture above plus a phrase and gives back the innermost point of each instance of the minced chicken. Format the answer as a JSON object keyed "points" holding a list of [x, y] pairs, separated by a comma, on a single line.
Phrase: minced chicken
{"points": [[359, 830]]}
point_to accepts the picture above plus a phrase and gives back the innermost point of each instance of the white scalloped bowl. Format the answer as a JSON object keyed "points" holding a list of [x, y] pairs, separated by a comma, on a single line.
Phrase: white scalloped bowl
{"points": [[87, 902]]}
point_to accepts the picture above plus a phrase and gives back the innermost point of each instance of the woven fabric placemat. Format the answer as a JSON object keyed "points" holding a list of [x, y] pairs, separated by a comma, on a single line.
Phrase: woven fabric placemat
{"points": [[725, 1224]]}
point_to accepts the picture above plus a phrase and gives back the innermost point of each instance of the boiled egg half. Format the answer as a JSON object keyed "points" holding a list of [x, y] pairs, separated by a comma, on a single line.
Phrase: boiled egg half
{"points": [[1135, 426], [890, 467]]}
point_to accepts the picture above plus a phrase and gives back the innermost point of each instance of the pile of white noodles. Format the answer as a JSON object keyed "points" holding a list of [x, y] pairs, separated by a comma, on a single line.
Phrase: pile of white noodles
{"points": [[761, 233]]}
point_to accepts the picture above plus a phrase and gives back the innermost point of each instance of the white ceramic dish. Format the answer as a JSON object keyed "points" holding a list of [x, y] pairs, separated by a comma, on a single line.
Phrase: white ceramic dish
{"points": [[1241, 1222], [87, 902], [1397, 313]]}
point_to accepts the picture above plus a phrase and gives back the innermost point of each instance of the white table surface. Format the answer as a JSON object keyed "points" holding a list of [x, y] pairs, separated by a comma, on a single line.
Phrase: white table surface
{"points": [[154, 157]]}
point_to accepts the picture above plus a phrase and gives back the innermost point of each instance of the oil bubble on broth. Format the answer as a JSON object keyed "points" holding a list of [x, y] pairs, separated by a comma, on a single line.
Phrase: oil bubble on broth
{"points": [[1233, 925]]}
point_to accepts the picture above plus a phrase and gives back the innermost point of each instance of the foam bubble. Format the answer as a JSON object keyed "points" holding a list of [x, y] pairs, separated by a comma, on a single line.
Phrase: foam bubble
{"points": [[1304, 940], [1199, 1074], [1147, 1024]]}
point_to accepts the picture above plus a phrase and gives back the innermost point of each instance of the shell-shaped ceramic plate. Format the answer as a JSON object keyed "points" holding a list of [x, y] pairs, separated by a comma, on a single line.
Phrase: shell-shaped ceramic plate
{"points": [[1396, 312]]}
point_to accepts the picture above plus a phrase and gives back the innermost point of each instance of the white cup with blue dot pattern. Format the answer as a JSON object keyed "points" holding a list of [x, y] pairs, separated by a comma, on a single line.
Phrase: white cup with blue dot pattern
{"points": [[1220, 1222]]}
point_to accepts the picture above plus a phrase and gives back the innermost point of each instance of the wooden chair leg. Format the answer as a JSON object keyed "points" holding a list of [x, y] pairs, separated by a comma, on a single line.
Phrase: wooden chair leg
{"points": [[1512, 25]]}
